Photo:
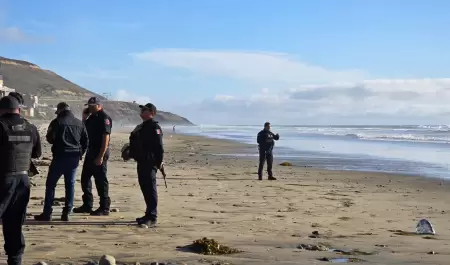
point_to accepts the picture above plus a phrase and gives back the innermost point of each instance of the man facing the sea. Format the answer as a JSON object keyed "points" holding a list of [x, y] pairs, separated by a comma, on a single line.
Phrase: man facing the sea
{"points": [[266, 143]]}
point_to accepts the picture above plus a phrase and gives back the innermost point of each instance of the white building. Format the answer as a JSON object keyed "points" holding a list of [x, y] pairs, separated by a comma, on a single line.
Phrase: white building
{"points": [[4, 90]]}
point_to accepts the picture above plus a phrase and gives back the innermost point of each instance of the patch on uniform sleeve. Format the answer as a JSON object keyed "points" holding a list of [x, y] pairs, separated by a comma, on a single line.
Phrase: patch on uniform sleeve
{"points": [[107, 122], [158, 131]]}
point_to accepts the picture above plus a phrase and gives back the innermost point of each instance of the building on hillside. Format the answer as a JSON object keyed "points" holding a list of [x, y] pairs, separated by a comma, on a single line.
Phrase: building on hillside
{"points": [[4, 90]]}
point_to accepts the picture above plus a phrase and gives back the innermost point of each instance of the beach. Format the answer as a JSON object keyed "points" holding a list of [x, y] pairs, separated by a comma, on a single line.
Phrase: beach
{"points": [[218, 197]]}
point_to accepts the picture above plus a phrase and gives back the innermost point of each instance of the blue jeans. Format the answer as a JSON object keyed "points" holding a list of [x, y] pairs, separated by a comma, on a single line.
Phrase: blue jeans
{"points": [[66, 165]]}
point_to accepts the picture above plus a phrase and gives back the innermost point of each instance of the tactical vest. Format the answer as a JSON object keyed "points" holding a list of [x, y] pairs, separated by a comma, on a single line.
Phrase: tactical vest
{"points": [[15, 152]]}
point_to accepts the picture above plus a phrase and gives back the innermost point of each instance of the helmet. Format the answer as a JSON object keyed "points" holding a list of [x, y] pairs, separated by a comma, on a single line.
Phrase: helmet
{"points": [[125, 152]]}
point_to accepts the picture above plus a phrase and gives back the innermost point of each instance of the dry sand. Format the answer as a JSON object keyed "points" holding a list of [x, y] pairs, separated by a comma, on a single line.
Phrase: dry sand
{"points": [[219, 197]]}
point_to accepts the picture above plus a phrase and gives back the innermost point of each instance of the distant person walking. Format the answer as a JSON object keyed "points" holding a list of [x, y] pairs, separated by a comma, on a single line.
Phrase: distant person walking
{"points": [[266, 142], [69, 140], [98, 125]]}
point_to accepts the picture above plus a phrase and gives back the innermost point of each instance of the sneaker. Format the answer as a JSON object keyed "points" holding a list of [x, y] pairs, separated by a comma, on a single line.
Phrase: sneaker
{"points": [[100, 212], [65, 217], [272, 178], [43, 217], [82, 209]]}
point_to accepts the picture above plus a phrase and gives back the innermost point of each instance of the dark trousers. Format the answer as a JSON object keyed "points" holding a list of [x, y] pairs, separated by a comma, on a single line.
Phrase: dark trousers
{"points": [[263, 157], [147, 181], [65, 164], [101, 182], [14, 197]]}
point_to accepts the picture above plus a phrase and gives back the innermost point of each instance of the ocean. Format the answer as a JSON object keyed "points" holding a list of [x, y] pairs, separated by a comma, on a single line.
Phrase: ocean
{"points": [[411, 150]]}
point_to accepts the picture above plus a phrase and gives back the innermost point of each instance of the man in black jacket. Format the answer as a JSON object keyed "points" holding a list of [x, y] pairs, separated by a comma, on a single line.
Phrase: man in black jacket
{"points": [[19, 142], [146, 148], [69, 140], [266, 143]]}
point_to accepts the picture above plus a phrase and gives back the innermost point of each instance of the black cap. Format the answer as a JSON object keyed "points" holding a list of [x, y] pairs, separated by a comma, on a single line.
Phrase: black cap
{"points": [[148, 106], [93, 101], [18, 96], [61, 106], [9, 102]]}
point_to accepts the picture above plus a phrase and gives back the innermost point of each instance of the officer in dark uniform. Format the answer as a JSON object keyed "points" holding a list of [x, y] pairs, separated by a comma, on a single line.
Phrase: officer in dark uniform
{"points": [[33, 170], [146, 147], [19, 142], [266, 143], [98, 126], [69, 140]]}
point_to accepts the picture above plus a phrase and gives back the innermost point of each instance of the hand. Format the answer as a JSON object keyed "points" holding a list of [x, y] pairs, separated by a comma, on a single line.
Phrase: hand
{"points": [[98, 161], [160, 165]]}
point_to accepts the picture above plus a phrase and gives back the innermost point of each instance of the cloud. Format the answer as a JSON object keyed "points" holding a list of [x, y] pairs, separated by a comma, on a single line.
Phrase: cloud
{"points": [[98, 73], [418, 99], [126, 95], [255, 67], [17, 35]]}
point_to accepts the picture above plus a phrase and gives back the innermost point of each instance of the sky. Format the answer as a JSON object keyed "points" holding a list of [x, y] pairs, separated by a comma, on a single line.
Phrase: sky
{"points": [[247, 62]]}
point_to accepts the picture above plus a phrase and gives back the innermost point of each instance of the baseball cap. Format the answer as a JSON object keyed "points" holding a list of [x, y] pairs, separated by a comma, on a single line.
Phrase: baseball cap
{"points": [[148, 106], [18, 96], [61, 106], [9, 102], [93, 101]]}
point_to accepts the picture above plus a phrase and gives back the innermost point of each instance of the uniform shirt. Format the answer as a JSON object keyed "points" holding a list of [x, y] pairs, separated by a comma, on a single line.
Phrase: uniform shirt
{"points": [[97, 125], [266, 139], [67, 134]]}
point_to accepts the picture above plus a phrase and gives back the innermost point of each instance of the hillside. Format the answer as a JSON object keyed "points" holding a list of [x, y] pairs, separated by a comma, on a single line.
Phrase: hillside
{"points": [[30, 80]]}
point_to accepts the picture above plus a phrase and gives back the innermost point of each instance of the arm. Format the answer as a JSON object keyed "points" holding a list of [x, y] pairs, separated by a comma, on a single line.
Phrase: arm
{"points": [[276, 137], [259, 138], [84, 140], [157, 145], [51, 132], [105, 138], [36, 152]]}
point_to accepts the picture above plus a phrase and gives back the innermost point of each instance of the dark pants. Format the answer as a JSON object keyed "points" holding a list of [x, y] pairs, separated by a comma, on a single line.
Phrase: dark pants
{"points": [[101, 182], [65, 164], [263, 157], [14, 197], [147, 181]]}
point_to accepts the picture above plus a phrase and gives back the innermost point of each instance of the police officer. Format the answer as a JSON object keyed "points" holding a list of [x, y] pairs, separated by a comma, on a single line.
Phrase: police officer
{"points": [[98, 126], [69, 140], [33, 170], [146, 147], [266, 143], [19, 142]]}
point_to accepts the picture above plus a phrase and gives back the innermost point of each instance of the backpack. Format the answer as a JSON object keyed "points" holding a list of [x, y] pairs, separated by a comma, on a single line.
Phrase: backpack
{"points": [[136, 147]]}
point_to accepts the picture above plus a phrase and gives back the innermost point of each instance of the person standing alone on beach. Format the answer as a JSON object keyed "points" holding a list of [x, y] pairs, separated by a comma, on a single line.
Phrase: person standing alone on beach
{"points": [[266, 141]]}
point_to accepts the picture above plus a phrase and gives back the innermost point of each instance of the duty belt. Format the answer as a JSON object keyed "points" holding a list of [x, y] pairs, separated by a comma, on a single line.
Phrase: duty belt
{"points": [[16, 173]]}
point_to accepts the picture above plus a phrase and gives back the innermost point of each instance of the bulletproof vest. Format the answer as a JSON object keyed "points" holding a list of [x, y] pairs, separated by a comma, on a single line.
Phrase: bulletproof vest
{"points": [[15, 152]]}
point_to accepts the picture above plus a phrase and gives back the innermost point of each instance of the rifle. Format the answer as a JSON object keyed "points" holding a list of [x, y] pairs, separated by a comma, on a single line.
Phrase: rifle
{"points": [[33, 170], [163, 172]]}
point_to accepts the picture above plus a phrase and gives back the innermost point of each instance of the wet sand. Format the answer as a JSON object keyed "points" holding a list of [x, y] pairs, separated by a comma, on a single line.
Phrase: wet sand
{"points": [[219, 197]]}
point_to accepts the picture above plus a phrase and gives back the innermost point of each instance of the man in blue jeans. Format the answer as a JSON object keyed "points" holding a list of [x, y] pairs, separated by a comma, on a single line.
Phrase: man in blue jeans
{"points": [[69, 140]]}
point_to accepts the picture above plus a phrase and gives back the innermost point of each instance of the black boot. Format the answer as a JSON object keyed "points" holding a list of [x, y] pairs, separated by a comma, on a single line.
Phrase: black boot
{"points": [[83, 209], [45, 217], [100, 212]]}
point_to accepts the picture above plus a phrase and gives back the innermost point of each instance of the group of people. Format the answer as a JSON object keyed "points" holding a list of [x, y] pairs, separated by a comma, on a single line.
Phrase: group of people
{"points": [[71, 140]]}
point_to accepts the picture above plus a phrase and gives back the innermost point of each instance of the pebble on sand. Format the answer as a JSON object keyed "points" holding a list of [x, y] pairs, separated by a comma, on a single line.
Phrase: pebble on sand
{"points": [[107, 260]]}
